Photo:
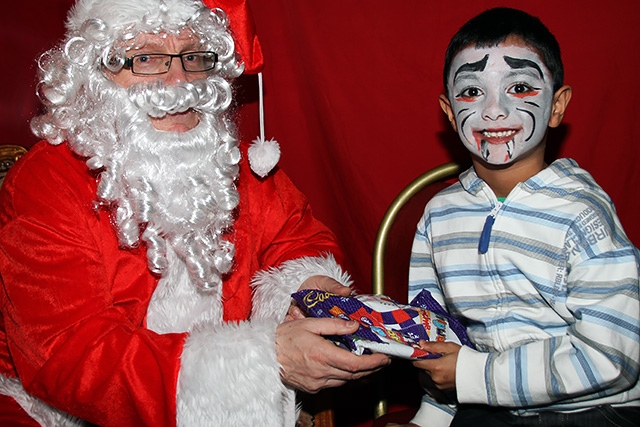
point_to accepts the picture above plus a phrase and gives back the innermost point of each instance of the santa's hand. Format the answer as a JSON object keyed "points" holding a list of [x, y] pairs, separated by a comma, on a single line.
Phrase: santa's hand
{"points": [[310, 362], [323, 283], [327, 284], [442, 370]]}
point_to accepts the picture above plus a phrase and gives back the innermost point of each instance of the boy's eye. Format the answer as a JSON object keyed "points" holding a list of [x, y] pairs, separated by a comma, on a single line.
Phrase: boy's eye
{"points": [[521, 89], [470, 92]]}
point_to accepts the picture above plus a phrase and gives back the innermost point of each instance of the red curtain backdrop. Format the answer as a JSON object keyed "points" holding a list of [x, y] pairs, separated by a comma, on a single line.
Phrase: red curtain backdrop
{"points": [[351, 93]]}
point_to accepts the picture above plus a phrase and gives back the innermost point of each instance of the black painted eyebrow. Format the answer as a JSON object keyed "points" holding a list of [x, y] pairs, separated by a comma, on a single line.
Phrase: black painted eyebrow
{"points": [[517, 63], [472, 66]]}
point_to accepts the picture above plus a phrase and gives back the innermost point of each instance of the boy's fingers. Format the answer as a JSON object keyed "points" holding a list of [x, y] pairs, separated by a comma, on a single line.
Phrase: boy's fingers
{"points": [[438, 347]]}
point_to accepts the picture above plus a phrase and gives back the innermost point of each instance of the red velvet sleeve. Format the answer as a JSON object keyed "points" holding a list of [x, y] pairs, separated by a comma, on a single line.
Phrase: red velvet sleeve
{"points": [[288, 228], [73, 304]]}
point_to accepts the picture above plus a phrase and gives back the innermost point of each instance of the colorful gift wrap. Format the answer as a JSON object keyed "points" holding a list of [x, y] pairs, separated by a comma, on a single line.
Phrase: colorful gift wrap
{"points": [[385, 325]]}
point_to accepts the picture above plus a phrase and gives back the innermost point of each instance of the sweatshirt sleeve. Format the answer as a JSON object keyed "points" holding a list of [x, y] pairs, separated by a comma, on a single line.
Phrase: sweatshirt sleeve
{"points": [[433, 414]]}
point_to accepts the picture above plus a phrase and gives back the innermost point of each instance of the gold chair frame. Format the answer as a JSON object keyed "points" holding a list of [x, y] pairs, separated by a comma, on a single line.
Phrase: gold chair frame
{"points": [[9, 154], [440, 173]]}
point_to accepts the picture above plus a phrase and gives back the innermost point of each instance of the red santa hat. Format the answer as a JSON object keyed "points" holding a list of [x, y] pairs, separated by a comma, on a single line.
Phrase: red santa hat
{"points": [[244, 32], [263, 154]]}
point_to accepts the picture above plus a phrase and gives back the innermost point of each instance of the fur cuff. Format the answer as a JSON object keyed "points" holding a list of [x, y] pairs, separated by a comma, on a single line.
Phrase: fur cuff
{"points": [[230, 376], [273, 287]]}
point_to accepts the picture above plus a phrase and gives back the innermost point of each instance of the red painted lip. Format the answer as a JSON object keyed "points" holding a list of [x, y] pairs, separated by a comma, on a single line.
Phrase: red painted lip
{"points": [[480, 136]]}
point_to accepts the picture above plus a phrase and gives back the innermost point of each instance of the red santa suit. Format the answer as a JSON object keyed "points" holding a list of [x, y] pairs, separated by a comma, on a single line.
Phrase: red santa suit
{"points": [[75, 307]]}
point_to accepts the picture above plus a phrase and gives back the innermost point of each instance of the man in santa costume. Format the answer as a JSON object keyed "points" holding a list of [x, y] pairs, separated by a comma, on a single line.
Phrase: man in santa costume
{"points": [[146, 264]]}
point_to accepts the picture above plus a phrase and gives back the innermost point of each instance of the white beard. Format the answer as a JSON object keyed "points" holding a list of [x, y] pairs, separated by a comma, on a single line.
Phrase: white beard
{"points": [[176, 192], [187, 208]]}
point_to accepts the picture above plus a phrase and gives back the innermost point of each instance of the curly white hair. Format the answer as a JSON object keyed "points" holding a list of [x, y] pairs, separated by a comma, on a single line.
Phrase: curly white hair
{"points": [[109, 126]]}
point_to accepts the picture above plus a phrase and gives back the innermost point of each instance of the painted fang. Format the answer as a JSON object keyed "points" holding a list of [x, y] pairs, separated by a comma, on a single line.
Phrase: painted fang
{"points": [[500, 97]]}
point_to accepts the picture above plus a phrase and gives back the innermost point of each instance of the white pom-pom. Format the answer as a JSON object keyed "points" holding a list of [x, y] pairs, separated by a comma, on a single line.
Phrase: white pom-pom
{"points": [[263, 156]]}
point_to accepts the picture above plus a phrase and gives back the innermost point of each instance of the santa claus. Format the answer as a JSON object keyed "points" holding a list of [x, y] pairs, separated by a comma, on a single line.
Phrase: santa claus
{"points": [[146, 269]]}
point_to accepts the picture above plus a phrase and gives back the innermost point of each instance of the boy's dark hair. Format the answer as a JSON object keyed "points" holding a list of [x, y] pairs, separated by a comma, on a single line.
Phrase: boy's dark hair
{"points": [[493, 26]]}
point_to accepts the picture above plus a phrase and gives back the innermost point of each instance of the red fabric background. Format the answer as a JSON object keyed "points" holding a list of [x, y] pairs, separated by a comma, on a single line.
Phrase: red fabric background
{"points": [[351, 95]]}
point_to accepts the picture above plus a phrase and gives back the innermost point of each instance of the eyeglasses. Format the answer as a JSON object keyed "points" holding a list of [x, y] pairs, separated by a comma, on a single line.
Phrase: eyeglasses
{"points": [[147, 64]]}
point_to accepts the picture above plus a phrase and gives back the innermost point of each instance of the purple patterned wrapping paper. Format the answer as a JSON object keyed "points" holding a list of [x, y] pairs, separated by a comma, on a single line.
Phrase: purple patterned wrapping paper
{"points": [[385, 325]]}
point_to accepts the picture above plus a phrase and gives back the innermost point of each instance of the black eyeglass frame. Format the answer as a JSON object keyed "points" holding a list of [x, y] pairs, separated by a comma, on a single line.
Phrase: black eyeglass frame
{"points": [[128, 62]]}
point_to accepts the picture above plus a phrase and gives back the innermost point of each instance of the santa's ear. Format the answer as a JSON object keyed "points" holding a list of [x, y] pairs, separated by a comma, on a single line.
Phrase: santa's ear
{"points": [[560, 101], [446, 107]]}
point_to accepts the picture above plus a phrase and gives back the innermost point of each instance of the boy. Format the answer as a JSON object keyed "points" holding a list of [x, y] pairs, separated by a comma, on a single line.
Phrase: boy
{"points": [[531, 257]]}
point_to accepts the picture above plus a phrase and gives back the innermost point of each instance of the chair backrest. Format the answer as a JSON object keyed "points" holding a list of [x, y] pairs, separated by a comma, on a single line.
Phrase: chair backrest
{"points": [[392, 246], [391, 258], [9, 154]]}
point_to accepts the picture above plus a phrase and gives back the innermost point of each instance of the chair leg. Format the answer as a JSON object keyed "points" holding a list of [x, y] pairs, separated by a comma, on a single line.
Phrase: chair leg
{"points": [[324, 418], [317, 409]]}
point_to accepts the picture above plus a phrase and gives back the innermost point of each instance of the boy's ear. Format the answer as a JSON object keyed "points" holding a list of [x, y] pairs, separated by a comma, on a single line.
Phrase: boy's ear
{"points": [[446, 107], [560, 101]]}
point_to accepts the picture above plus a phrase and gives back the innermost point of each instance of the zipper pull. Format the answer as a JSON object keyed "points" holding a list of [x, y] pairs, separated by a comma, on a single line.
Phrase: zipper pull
{"points": [[483, 244]]}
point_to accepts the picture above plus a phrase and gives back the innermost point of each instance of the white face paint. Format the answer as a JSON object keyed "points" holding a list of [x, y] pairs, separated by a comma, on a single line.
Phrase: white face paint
{"points": [[501, 97]]}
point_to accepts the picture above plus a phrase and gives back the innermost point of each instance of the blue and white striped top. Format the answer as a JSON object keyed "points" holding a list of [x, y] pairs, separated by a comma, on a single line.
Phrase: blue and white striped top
{"points": [[549, 293]]}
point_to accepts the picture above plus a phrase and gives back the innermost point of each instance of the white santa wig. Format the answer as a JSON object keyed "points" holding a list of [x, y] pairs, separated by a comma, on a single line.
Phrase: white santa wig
{"points": [[99, 32], [84, 108]]}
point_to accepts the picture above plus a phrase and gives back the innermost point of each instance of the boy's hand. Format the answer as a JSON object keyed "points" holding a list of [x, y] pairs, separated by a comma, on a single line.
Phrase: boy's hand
{"points": [[443, 369]]}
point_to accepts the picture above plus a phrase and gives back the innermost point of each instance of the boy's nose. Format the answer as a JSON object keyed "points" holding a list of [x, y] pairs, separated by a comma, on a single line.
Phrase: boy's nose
{"points": [[494, 108]]}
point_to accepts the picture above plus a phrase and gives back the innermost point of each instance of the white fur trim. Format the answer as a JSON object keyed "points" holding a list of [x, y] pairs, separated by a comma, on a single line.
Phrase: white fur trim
{"points": [[121, 13], [45, 414], [263, 156], [177, 305], [230, 376], [273, 287]]}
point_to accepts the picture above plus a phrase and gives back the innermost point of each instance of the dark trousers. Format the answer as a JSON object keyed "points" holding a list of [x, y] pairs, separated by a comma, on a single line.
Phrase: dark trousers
{"points": [[600, 416]]}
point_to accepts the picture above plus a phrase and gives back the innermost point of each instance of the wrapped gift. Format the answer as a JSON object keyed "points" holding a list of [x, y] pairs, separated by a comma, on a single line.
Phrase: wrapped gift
{"points": [[385, 325]]}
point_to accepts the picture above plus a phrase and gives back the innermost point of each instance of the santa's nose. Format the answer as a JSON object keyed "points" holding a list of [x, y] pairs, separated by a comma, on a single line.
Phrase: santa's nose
{"points": [[176, 73]]}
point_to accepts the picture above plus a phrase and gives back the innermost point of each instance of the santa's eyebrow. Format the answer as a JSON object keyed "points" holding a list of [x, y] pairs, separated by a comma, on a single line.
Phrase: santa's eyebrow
{"points": [[519, 63], [472, 66]]}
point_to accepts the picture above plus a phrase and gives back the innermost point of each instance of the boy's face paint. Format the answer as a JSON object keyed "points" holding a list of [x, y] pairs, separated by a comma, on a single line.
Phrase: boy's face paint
{"points": [[501, 98]]}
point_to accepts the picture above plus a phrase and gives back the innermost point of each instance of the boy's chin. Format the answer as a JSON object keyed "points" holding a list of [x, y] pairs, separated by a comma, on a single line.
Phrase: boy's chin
{"points": [[492, 165], [495, 156], [496, 159]]}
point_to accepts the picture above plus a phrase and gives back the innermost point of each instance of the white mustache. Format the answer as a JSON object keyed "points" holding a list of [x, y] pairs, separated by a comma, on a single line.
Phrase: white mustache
{"points": [[157, 99]]}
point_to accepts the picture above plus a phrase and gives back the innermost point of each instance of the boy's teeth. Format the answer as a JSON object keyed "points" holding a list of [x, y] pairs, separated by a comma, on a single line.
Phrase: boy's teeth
{"points": [[500, 134]]}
